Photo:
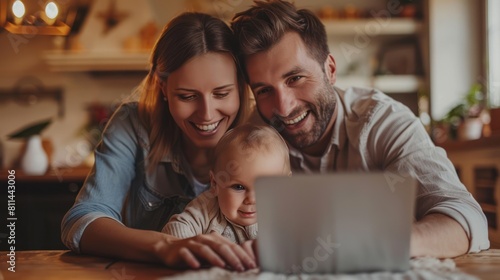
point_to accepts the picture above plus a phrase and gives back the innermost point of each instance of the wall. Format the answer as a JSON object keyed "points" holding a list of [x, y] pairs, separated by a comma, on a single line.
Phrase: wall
{"points": [[455, 52], [79, 90]]}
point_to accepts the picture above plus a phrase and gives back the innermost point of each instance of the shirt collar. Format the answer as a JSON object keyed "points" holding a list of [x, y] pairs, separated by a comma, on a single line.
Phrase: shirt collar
{"points": [[339, 130], [250, 230]]}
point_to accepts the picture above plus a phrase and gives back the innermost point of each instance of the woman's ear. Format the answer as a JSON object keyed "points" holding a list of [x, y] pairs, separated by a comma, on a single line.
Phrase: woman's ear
{"points": [[290, 174], [213, 184], [163, 92]]}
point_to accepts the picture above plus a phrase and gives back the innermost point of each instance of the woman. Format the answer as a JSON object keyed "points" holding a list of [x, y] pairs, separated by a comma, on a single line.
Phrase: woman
{"points": [[154, 155]]}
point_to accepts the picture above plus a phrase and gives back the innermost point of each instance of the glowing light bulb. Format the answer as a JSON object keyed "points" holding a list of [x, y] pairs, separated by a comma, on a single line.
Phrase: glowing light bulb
{"points": [[18, 9], [51, 10]]}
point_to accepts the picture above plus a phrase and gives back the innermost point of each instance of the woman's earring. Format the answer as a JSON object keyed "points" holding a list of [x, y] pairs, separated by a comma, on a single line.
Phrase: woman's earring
{"points": [[165, 99]]}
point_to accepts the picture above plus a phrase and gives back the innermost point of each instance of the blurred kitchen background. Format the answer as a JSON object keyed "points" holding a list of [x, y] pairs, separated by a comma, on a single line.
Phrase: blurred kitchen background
{"points": [[74, 61], [427, 54]]}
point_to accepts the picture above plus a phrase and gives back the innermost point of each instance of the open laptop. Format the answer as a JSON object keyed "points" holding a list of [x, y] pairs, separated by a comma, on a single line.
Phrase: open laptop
{"points": [[334, 223]]}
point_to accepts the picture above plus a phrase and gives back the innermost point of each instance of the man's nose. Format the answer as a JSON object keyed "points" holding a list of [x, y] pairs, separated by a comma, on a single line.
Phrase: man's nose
{"points": [[284, 101]]}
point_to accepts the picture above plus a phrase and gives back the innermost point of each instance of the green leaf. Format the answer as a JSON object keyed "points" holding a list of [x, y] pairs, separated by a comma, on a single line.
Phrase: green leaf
{"points": [[30, 130], [474, 95]]}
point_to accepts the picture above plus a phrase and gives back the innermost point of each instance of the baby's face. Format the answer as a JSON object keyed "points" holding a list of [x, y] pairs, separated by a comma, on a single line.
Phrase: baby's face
{"points": [[234, 178]]}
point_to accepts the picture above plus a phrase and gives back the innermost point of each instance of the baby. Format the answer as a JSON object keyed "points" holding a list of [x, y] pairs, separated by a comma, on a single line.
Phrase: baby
{"points": [[228, 207]]}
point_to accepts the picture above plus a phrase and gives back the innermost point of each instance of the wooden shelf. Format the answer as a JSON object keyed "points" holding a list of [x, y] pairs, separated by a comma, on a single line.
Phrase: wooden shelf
{"points": [[490, 208], [485, 142], [373, 26], [385, 83], [96, 61], [398, 83]]}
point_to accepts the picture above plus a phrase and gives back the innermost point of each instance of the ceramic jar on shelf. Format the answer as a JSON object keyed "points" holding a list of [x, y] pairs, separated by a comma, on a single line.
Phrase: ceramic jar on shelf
{"points": [[34, 161]]}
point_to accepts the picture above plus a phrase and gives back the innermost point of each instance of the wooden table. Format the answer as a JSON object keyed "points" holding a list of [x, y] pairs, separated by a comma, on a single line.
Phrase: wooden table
{"points": [[59, 264], [485, 265], [66, 265]]}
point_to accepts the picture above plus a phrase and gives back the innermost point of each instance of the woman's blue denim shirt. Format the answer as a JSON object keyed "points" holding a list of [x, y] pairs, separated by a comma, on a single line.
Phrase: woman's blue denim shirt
{"points": [[118, 187]]}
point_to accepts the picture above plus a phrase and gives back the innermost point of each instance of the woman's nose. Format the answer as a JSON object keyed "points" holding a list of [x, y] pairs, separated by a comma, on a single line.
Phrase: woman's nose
{"points": [[206, 109]]}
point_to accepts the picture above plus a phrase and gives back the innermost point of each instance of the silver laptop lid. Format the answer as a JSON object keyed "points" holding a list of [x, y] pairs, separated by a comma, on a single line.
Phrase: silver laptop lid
{"points": [[334, 223]]}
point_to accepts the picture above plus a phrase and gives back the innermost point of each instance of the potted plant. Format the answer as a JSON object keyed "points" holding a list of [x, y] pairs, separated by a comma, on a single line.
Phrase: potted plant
{"points": [[464, 119], [34, 160]]}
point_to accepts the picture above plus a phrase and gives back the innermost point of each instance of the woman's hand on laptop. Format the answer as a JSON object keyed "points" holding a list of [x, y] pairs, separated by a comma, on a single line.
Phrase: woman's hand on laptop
{"points": [[212, 248], [250, 247]]}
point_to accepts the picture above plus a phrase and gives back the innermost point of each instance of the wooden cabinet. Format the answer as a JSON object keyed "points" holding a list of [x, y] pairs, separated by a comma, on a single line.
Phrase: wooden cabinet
{"points": [[40, 204], [478, 165]]}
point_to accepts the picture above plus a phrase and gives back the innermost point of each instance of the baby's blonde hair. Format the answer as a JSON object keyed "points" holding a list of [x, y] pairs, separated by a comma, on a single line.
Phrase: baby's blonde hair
{"points": [[249, 138]]}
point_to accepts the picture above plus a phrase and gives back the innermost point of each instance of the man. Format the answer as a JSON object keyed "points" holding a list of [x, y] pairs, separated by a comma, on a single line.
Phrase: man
{"points": [[292, 75]]}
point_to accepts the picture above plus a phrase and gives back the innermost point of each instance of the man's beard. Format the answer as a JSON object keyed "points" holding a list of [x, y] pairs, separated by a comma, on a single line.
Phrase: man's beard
{"points": [[323, 111]]}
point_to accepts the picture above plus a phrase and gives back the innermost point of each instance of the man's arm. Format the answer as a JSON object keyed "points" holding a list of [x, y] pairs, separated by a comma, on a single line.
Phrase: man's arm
{"points": [[439, 236], [399, 143]]}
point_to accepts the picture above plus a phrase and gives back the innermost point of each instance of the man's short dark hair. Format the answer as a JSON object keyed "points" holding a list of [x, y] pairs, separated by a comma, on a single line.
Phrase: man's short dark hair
{"points": [[260, 27]]}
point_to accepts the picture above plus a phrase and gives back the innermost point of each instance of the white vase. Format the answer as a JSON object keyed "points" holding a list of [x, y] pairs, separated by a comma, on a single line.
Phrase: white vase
{"points": [[470, 129], [34, 160]]}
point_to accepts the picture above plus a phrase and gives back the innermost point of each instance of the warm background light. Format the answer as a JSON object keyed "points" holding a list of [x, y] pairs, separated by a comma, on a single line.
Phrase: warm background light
{"points": [[18, 9], [51, 10]]}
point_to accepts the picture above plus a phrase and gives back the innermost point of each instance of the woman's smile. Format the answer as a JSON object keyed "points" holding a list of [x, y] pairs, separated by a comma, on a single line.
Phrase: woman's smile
{"points": [[207, 128]]}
